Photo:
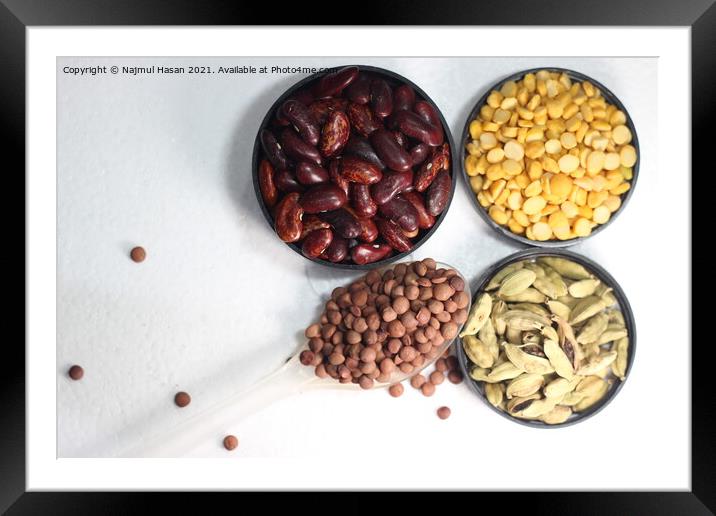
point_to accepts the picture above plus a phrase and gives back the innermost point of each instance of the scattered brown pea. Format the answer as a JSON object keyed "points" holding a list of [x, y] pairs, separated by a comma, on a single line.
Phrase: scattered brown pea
{"points": [[417, 381], [441, 365], [455, 376], [182, 399], [76, 372], [444, 412], [396, 390], [436, 377], [230, 442], [428, 389], [138, 254]]}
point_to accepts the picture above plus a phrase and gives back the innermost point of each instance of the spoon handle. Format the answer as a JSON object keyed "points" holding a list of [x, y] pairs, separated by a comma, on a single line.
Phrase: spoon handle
{"points": [[291, 378]]}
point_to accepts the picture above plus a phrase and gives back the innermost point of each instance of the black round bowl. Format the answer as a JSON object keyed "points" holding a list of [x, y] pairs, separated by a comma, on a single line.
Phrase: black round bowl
{"points": [[624, 306], [392, 78], [609, 97]]}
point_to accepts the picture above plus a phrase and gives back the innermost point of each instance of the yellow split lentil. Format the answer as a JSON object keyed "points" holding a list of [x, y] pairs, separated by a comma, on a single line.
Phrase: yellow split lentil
{"points": [[549, 157]]}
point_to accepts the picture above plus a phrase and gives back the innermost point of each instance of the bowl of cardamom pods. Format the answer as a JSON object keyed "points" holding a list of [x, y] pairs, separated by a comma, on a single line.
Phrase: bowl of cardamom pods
{"points": [[550, 338]]}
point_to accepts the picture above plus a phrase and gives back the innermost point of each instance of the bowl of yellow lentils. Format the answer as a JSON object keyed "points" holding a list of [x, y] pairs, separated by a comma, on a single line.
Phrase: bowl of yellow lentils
{"points": [[550, 156]]}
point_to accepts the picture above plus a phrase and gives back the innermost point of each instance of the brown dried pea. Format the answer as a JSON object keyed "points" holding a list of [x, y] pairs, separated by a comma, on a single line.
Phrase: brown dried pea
{"points": [[443, 317], [417, 381], [312, 331], [437, 377], [460, 316], [396, 329], [406, 367], [428, 389], [401, 305], [396, 390], [387, 366]]}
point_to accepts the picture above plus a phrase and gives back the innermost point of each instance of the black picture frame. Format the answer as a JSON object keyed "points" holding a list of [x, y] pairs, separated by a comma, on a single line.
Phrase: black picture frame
{"points": [[17, 15]]}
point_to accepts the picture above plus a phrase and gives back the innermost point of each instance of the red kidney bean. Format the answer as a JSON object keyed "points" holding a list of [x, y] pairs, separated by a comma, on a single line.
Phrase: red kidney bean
{"points": [[287, 222], [337, 251], [438, 193], [310, 173], [360, 147], [267, 186], [323, 197], [393, 235], [414, 126], [311, 223], [402, 212], [297, 149], [403, 98], [361, 201], [381, 98], [359, 90], [369, 253], [439, 160], [303, 96], [334, 82], [299, 115], [419, 153], [321, 108], [428, 113], [286, 181], [401, 139], [356, 170], [389, 150], [334, 172], [335, 133], [368, 230], [425, 220], [362, 119], [273, 150], [391, 185], [344, 223], [317, 242]]}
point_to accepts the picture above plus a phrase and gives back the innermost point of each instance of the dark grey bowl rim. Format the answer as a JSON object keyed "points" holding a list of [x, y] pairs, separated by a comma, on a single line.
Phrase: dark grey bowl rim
{"points": [[624, 305], [610, 97], [380, 71]]}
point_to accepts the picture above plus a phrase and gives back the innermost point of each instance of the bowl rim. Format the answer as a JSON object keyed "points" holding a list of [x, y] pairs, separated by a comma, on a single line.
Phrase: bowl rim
{"points": [[304, 82], [624, 306], [610, 97]]}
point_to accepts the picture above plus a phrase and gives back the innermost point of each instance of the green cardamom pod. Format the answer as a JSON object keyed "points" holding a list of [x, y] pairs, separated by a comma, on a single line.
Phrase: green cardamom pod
{"points": [[583, 288], [586, 308], [479, 313], [524, 385], [593, 328], [501, 274], [504, 371], [495, 393], [619, 366], [557, 415], [559, 308], [477, 352], [516, 282], [559, 359], [565, 267], [529, 295], [527, 362]]}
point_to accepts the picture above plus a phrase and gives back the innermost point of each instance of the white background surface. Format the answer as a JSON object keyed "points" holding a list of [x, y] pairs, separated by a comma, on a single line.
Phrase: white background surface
{"points": [[164, 161], [149, 329]]}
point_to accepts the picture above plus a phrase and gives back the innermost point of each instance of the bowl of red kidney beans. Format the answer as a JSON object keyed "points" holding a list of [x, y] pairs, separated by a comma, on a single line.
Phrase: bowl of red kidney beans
{"points": [[353, 167]]}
